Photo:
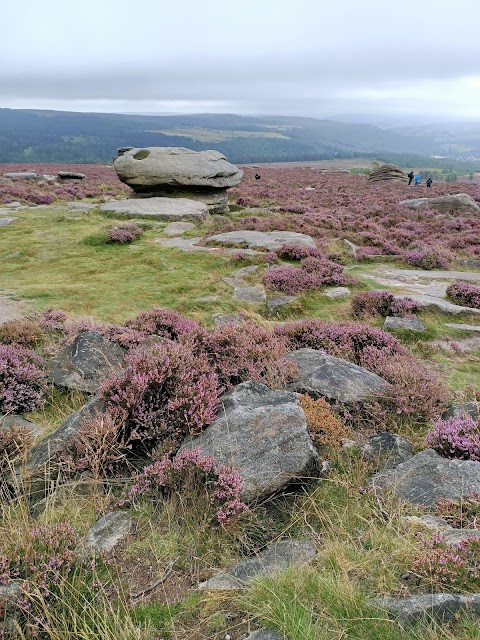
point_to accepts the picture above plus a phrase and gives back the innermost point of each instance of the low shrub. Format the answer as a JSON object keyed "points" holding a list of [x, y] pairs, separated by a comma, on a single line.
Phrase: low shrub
{"points": [[52, 319], [124, 233], [15, 441], [22, 376], [290, 280], [163, 322], [292, 251], [325, 428], [326, 271], [463, 514], [427, 257], [465, 294], [185, 474], [24, 331], [457, 437], [383, 303]]}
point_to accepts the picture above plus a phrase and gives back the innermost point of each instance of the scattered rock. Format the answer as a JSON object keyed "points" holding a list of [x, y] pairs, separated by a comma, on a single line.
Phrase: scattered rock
{"points": [[263, 434], [4, 222], [433, 523], [440, 607], [275, 304], [387, 172], [10, 309], [71, 175], [455, 537], [323, 375], [20, 175], [6, 182], [470, 263], [14, 205], [387, 445], [253, 295], [337, 292], [166, 209], [81, 206], [260, 239], [427, 477], [394, 323], [221, 319], [445, 204], [245, 271], [234, 282], [177, 228], [352, 247], [463, 327], [276, 557], [189, 245], [429, 302], [466, 345], [108, 531], [86, 363], [470, 408], [6, 421]]}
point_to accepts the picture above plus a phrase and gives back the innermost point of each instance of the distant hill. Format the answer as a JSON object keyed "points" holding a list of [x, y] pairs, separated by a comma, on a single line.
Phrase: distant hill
{"points": [[56, 136]]}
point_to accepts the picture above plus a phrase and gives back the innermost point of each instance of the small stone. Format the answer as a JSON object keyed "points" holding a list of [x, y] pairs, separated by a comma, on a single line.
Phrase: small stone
{"points": [[222, 319], [244, 271], [439, 606], [4, 222], [470, 408], [10, 419], [177, 228], [265, 634], [433, 523], [337, 292], [387, 445], [234, 282], [275, 304], [254, 295], [395, 323], [108, 531]]}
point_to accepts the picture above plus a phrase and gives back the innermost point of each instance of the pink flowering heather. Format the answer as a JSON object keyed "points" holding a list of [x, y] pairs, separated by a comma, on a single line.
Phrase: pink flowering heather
{"points": [[465, 294], [184, 474], [163, 322], [290, 280], [164, 394], [326, 271], [22, 377], [345, 340], [291, 251], [15, 441], [124, 233], [52, 319], [427, 257], [456, 438], [383, 303]]}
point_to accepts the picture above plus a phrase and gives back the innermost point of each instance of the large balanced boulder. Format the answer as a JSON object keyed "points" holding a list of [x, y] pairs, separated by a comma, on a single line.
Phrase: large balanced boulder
{"points": [[163, 209], [263, 434], [444, 204], [387, 172], [179, 172], [86, 363], [427, 477], [322, 375]]}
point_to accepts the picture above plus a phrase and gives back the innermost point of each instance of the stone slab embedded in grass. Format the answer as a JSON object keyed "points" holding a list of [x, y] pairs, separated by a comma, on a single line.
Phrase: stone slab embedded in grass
{"points": [[245, 271], [337, 292], [440, 607], [221, 319], [4, 222], [177, 228], [81, 206], [467, 345], [427, 477], [265, 634], [432, 302], [323, 375], [263, 434], [166, 209], [276, 557], [470, 408], [463, 327], [391, 446], [253, 295], [260, 239], [276, 304], [394, 323], [108, 531]]}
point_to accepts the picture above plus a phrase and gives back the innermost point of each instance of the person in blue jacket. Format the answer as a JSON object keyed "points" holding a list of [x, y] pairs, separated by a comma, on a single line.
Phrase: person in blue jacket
{"points": [[417, 180]]}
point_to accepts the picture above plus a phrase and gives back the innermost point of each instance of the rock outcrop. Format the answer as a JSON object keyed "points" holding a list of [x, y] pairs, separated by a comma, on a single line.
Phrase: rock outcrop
{"points": [[176, 172], [444, 204], [264, 435], [387, 172], [270, 240], [163, 209]]}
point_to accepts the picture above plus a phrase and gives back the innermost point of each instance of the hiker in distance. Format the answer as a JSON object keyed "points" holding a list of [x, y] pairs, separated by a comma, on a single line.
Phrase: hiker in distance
{"points": [[257, 176], [429, 183], [410, 177], [417, 180]]}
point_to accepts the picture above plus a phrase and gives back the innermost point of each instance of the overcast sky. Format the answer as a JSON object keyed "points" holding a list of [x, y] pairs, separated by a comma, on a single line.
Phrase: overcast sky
{"points": [[294, 57]]}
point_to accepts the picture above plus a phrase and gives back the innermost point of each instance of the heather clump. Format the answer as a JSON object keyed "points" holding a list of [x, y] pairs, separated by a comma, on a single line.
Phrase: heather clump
{"points": [[462, 514], [22, 377], [427, 257], [244, 352], [124, 233], [25, 331], [457, 437], [52, 319], [187, 474], [326, 271], [291, 251], [465, 294], [164, 394], [162, 322], [15, 441], [382, 303], [325, 428], [346, 340], [313, 274]]}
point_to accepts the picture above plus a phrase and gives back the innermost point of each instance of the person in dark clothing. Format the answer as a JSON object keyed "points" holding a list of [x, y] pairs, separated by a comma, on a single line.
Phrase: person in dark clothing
{"points": [[410, 177], [257, 176], [429, 183]]}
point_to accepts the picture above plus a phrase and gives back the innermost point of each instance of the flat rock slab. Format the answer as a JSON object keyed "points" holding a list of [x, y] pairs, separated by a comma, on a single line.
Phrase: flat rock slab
{"points": [[463, 327], [323, 375], [253, 295], [86, 363], [82, 206], [177, 228], [427, 302], [261, 239], [469, 408], [440, 607], [166, 209], [337, 292], [20, 175], [235, 282], [278, 556], [11, 309], [468, 345], [190, 245], [263, 434], [245, 271], [108, 531], [427, 477], [4, 222], [457, 202], [394, 323], [222, 319], [389, 446], [276, 304]]}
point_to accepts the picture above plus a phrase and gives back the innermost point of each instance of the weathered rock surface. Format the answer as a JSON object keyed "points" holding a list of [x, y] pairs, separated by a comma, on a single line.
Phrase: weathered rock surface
{"points": [[20, 175], [445, 204], [253, 295], [337, 292], [165, 209], [279, 302], [466, 345], [265, 634], [429, 302], [427, 476], [10, 309], [86, 363], [463, 327], [387, 172], [387, 445], [333, 378], [260, 239], [440, 607], [470, 408], [264, 435], [10, 419], [177, 228], [5, 221], [81, 206], [221, 319], [215, 199], [394, 323], [432, 523], [245, 271], [71, 175], [277, 556], [108, 531]]}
